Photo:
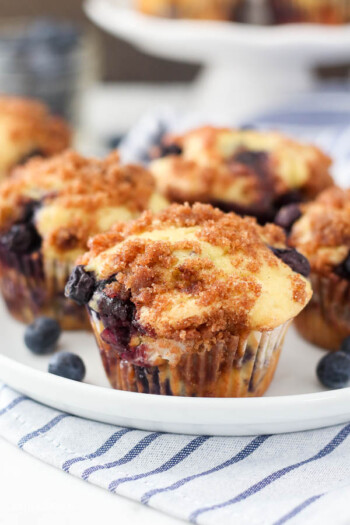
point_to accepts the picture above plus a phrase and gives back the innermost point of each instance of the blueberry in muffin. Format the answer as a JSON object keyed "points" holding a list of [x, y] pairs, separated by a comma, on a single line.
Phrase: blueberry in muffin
{"points": [[48, 210], [27, 129], [322, 234], [188, 302], [246, 171]]}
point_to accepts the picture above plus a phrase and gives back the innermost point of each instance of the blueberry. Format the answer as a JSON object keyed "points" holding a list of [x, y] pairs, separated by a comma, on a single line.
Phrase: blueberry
{"points": [[115, 310], [343, 269], [170, 149], [68, 365], [345, 346], [256, 160], [81, 286], [21, 239], [295, 260], [333, 370], [288, 215], [290, 197], [41, 336], [250, 158]]}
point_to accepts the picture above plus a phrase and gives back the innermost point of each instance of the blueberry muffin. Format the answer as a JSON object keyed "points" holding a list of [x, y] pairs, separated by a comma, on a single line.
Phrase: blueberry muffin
{"points": [[195, 9], [322, 234], [48, 210], [246, 171], [311, 11], [26, 130], [191, 301]]}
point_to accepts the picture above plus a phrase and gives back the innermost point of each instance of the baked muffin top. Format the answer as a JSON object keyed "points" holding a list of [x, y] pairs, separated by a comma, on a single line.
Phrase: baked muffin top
{"points": [[195, 272], [247, 167], [201, 9], [322, 233], [75, 197], [27, 128]]}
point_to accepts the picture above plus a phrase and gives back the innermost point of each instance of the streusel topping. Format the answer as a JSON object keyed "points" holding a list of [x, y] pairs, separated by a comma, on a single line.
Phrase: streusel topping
{"points": [[241, 166], [197, 270], [77, 197], [322, 233], [26, 126]]}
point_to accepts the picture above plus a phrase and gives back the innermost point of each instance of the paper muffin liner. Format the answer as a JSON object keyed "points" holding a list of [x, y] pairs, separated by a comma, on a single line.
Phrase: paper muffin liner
{"points": [[325, 321], [245, 369], [322, 12], [32, 287]]}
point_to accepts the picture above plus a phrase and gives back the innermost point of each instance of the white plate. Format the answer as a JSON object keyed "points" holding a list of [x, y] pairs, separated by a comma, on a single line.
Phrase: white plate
{"points": [[310, 407], [209, 41]]}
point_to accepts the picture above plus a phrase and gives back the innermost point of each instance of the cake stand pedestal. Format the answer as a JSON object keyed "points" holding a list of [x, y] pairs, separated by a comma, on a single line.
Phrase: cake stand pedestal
{"points": [[247, 69]]}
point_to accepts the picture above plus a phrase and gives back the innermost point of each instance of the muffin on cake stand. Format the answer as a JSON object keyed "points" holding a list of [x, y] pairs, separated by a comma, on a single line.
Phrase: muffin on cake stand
{"points": [[248, 68]]}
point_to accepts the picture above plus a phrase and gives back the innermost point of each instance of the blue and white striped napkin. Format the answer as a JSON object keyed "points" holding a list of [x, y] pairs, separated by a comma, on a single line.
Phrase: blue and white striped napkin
{"points": [[301, 478], [260, 480]]}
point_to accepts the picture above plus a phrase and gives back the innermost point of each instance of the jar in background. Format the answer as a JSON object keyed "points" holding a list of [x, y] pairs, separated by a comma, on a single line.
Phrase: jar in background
{"points": [[49, 59]]}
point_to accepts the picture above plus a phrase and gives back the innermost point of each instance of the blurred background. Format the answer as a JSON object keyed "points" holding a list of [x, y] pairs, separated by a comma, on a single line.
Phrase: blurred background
{"points": [[103, 85], [122, 62]]}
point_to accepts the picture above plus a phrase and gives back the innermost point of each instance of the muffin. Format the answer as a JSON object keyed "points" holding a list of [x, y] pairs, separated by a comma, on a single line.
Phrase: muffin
{"points": [[246, 171], [322, 234], [311, 11], [48, 210], [26, 130], [195, 9], [191, 301]]}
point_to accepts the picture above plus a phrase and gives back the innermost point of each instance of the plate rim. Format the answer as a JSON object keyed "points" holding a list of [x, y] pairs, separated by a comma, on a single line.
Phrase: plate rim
{"points": [[328, 396]]}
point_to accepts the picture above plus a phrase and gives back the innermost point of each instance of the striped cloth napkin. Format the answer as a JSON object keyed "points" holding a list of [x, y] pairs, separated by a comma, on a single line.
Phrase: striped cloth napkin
{"points": [[260, 480]]}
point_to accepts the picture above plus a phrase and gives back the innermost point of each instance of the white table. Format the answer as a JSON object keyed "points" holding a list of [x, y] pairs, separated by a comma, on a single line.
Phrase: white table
{"points": [[34, 493]]}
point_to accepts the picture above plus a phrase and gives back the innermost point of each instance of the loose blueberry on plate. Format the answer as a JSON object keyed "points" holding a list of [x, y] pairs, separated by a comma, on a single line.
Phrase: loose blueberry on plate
{"points": [[68, 365], [345, 346], [42, 336], [333, 371]]}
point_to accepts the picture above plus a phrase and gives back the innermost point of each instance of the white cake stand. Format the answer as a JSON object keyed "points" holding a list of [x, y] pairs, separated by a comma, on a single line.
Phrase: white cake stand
{"points": [[247, 68]]}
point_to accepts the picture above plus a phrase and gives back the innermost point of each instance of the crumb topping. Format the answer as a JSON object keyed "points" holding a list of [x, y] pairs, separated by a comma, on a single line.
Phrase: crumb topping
{"points": [[202, 9], [27, 125], [322, 233], [78, 197], [214, 166], [194, 272]]}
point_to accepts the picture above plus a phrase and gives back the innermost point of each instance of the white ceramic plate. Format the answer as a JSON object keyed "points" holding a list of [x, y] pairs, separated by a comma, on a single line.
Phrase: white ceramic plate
{"points": [[294, 402], [209, 41]]}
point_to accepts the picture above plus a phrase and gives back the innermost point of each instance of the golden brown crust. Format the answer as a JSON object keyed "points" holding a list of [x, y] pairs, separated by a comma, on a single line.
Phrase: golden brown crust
{"points": [[78, 197], [323, 231], [209, 292], [73, 181], [30, 120], [228, 231], [208, 169], [201, 9]]}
